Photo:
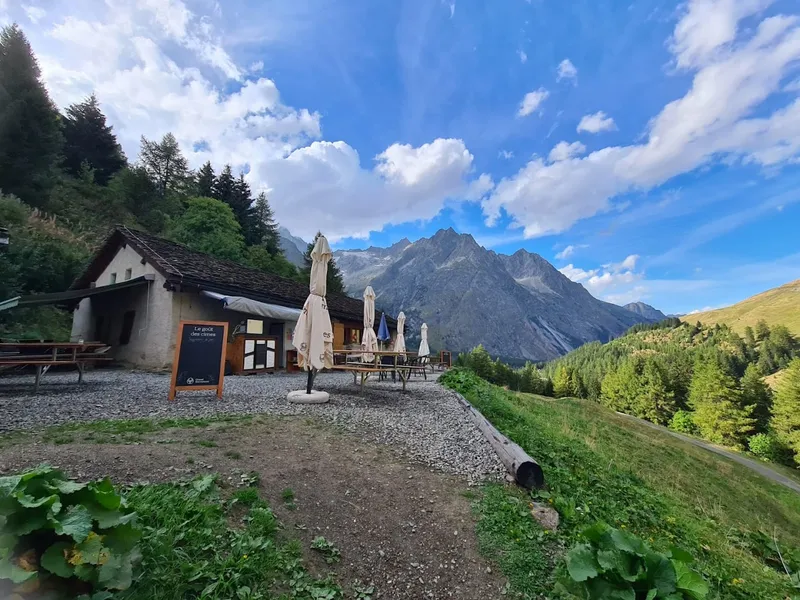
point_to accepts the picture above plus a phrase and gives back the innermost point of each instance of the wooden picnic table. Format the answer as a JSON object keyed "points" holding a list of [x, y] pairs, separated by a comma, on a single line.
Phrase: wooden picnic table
{"points": [[378, 366], [44, 355]]}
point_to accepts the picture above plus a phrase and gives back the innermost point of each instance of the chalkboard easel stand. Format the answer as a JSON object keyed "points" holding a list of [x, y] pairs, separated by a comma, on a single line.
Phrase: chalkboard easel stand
{"points": [[174, 387]]}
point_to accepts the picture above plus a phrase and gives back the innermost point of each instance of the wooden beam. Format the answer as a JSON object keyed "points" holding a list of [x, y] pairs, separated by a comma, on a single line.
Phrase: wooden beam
{"points": [[525, 470]]}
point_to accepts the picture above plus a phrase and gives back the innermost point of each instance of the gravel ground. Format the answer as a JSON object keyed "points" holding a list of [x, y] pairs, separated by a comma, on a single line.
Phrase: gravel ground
{"points": [[426, 422]]}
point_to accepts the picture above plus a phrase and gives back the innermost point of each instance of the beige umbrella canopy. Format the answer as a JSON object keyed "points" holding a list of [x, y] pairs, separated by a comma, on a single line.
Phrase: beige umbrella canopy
{"points": [[313, 335], [423, 343], [400, 342], [369, 341]]}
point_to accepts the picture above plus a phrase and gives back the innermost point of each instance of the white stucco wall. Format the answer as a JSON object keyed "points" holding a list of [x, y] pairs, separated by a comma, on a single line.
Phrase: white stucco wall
{"points": [[152, 336]]}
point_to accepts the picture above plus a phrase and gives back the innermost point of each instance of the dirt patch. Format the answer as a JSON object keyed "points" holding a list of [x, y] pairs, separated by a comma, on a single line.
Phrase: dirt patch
{"points": [[398, 525]]}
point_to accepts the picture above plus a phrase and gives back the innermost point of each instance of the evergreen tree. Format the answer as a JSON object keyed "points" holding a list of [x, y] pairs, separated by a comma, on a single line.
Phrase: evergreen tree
{"points": [[786, 409], [205, 181], [259, 258], [756, 393], [762, 330], [30, 128], [165, 164], [620, 387], [719, 411], [750, 338], [263, 216], [241, 200], [224, 184], [481, 363], [654, 399], [334, 282], [562, 382], [88, 139]]}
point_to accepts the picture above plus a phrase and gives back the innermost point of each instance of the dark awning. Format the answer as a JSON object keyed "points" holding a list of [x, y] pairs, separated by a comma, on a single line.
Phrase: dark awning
{"points": [[72, 295]]}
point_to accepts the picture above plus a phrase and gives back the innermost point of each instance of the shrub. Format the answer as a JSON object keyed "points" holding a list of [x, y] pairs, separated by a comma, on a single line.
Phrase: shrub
{"points": [[767, 447], [61, 537], [617, 564], [683, 422]]}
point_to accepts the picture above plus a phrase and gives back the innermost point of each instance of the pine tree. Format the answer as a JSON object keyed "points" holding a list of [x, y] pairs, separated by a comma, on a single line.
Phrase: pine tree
{"points": [[30, 128], [749, 337], [756, 393], [786, 408], [562, 382], [88, 139], [165, 164], [620, 387], [762, 330], [334, 282], [481, 363], [224, 184], [719, 410], [654, 400], [262, 214], [205, 181], [241, 200]]}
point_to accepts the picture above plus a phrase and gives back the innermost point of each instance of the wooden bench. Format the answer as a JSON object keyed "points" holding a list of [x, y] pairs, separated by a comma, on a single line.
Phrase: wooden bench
{"points": [[368, 369], [44, 355]]}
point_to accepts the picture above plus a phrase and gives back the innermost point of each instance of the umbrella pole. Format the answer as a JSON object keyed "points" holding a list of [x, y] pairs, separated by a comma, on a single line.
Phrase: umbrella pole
{"points": [[312, 373]]}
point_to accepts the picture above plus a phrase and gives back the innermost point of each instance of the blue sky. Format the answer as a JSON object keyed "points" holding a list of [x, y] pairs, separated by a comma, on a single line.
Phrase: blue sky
{"points": [[650, 150]]}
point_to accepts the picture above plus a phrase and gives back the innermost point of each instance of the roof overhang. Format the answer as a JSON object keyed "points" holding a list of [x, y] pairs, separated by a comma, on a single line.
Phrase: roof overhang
{"points": [[72, 296], [254, 307]]}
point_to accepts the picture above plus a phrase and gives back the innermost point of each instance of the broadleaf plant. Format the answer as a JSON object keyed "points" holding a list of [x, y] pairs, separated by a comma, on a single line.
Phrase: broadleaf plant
{"points": [[64, 538], [617, 564]]}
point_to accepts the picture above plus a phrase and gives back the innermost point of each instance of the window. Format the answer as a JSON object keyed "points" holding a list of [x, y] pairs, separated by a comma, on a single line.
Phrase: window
{"points": [[127, 327], [113, 278], [352, 336], [128, 273]]}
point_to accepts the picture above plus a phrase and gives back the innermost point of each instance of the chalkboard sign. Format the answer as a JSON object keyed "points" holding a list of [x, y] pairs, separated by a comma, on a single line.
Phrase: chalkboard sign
{"points": [[446, 359], [199, 362]]}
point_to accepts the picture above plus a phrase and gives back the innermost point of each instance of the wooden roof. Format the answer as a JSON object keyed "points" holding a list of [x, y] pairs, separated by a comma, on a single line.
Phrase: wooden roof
{"points": [[188, 269]]}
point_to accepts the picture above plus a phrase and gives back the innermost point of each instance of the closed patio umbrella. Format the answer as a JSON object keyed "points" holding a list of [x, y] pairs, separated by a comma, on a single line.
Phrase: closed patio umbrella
{"points": [[313, 334], [369, 342], [423, 343], [400, 342], [383, 330]]}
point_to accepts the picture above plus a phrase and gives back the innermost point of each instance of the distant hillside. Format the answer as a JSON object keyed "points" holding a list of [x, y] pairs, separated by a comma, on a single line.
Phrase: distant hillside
{"points": [[778, 306], [646, 311], [293, 247]]}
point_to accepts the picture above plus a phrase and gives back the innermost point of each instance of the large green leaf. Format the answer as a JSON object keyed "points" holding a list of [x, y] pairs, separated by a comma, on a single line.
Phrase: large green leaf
{"points": [[9, 484], [660, 573], [25, 521], [27, 501], [116, 574], [628, 542], [76, 523], [68, 486], [651, 594], [624, 564], [92, 550], [110, 518], [105, 494], [54, 560], [581, 563], [122, 538], [690, 582]]}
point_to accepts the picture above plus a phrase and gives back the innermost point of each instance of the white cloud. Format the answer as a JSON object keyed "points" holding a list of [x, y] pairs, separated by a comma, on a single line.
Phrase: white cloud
{"points": [[532, 101], [704, 309], [577, 274], [626, 265], [596, 123], [135, 58], [523, 58], [34, 13], [256, 67], [635, 294], [566, 70], [565, 150], [566, 252], [733, 76], [505, 154]]}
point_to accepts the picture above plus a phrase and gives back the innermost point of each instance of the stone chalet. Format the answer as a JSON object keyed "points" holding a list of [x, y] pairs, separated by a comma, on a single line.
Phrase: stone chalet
{"points": [[138, 287]]}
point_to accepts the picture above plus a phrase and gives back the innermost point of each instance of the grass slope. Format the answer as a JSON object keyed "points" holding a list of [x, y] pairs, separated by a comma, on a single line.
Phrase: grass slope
{"points": [[778, 306], [602, 467]]}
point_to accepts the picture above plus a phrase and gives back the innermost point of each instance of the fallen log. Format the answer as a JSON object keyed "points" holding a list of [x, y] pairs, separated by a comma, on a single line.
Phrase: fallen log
{"points": [[525, 470]]}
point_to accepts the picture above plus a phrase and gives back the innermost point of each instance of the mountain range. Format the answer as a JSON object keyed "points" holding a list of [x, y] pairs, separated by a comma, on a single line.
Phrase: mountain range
{"points": [[294, 248], [520, 307], [645, 310]]}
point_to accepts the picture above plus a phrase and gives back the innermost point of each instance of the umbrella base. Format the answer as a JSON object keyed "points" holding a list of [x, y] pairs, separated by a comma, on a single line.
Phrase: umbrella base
{"points": [[301, 397]]}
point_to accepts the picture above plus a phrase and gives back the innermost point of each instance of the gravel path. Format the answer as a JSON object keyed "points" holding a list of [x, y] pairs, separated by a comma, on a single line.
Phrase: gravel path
{"points": [[426, 423]]}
